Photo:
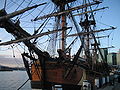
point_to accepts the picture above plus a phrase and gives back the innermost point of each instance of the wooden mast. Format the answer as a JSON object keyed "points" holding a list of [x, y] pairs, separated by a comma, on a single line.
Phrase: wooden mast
{"points": [[63, 26]]}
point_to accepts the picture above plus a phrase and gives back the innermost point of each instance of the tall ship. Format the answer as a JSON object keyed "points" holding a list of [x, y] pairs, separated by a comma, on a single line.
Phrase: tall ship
{"points": [[62, 47]]}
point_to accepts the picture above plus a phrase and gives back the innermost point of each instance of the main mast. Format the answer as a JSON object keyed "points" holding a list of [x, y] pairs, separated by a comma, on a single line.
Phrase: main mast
{"points": [[61, 4], [63, 26]]}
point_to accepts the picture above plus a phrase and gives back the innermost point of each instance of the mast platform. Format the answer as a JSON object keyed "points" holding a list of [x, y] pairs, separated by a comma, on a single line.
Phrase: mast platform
{"points": [[60, 2]]}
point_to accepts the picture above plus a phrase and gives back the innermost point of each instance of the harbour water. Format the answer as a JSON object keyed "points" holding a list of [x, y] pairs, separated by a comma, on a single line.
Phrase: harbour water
{"points": [[12, 80]]}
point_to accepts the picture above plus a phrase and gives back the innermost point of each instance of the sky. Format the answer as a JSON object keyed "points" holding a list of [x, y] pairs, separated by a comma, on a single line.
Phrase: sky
{"points": [[111, 17], [105, 18]]}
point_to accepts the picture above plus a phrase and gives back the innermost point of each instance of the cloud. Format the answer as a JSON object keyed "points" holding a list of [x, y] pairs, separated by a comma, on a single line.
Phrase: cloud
{"points": [[11, 62]]}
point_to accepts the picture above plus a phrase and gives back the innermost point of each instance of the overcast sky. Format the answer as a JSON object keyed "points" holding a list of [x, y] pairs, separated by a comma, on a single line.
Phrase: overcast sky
{"points": [[9, 61]]}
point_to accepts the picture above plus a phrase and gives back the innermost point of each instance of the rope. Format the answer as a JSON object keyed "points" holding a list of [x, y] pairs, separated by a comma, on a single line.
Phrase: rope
{"points": [[42, 25], [5, 4], [28, 12], [23, 84], [19, 5], [25, 81]]}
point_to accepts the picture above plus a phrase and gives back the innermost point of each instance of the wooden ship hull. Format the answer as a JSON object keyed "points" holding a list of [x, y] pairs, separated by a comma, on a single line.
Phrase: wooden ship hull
{"points": [[55, 74], [44, 72]]}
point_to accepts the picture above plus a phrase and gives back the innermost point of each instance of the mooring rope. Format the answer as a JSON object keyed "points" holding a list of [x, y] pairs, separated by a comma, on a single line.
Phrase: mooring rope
{"points": [[23, 84]]}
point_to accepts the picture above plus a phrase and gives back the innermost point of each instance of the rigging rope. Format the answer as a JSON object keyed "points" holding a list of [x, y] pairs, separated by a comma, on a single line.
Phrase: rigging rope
{"points": [[43, 24], [23, 84], [42, 10], [22, 7], [19, 5], [37, 69], [5, 4], [28, 12]]}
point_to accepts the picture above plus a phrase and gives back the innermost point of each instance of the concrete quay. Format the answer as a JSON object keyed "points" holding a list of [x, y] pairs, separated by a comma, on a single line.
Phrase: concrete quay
{"points": [[116, 86]]}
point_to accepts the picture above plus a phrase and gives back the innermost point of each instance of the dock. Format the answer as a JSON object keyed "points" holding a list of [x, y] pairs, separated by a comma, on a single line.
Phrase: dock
{"points": [[116, 86]]}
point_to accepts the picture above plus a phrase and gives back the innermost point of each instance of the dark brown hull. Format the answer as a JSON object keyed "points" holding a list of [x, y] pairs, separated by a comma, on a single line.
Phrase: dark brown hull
{"points": [[54, 74]]}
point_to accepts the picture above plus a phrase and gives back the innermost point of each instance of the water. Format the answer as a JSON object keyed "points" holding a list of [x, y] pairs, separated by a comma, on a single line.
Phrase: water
{"points": [[12, 80]]}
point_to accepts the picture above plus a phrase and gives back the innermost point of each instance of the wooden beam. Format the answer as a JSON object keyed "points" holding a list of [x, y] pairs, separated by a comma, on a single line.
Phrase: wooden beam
{"points": [[31, 37], [66, 11], [108, 47], [85, 33], [11, 15], [90, 11], [99, 37], [104, 48]]}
